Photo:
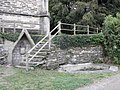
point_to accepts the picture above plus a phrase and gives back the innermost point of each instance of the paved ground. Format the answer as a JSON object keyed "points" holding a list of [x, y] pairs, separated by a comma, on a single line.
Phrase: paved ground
{"points": [[112, 83]]}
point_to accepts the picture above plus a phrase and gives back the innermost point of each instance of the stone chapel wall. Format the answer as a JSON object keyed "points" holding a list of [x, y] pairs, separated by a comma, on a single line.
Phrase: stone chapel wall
{"points": [[25, 11]]}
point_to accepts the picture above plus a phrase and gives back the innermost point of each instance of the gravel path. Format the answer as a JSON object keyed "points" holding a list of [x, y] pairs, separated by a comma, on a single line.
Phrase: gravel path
{"points": [[112, 83]]}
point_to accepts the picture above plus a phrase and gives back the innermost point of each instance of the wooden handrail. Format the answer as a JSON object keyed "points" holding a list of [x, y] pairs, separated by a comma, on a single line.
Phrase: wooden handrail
{"points": [[75, 26], [43, 46], [42, 40], [50, 38]]}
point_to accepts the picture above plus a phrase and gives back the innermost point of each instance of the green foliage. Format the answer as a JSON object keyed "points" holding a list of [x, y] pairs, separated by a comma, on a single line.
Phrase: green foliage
{"points": [[92, 12], [67, 41], [112, 37], [37, 38], [9, 36], [14, 36], [88, 19]]}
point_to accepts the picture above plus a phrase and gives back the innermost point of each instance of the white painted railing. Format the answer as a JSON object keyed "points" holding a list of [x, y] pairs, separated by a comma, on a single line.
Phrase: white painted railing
{"points": [[41, 41], [59, 30], [79, 29]]}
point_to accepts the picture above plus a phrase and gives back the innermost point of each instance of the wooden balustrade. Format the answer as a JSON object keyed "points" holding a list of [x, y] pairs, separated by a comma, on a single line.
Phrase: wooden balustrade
{"points": [[85, 29]]}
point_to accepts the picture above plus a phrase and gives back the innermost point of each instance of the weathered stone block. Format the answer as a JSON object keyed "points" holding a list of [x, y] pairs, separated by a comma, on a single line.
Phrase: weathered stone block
{"points": [[74, 56]]}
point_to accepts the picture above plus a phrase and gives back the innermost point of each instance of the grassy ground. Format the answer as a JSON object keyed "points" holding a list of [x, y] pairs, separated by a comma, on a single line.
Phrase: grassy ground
{"points": [[46, 80]]}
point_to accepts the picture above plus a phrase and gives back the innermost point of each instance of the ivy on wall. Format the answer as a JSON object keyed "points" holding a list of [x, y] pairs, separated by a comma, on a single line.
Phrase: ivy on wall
{"points": [[9, 36], [67, 41], [14, 36], [37, 38]]}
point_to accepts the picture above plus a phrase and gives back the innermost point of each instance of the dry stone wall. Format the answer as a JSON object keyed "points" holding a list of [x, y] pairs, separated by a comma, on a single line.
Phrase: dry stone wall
{"points": [[74, 56]]}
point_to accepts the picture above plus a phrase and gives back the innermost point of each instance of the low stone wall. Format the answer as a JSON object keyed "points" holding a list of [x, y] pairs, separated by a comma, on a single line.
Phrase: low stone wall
{"points": [[74, 56], [8, 46]]}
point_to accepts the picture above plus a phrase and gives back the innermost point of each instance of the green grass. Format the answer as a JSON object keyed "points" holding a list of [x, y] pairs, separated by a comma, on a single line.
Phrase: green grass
{"points": [[1, 68], [48, 80]]}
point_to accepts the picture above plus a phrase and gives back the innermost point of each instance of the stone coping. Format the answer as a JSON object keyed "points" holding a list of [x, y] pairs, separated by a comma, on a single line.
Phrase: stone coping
{"points": [[78, 68]]}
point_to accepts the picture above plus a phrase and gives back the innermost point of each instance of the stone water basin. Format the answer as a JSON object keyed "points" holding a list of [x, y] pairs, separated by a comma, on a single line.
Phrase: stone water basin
{"points": [[87, 68]]}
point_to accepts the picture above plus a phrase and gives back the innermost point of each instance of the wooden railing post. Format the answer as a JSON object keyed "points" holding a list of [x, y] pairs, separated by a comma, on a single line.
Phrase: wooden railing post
{"points": [[88, 29], [49, 40], [97, 30], [27, 62], [59, 28], [74, 29], [101, 30]]}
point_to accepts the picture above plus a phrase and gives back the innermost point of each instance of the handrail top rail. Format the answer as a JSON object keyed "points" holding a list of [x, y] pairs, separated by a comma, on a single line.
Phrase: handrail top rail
{"points": [[49, 41], [44, 45], [42, 39], [85, 26]]}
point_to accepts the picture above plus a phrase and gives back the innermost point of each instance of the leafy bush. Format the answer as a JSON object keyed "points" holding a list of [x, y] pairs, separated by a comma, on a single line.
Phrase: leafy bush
{"points": [[37, 38], [66, 41], [14, 36], [9, 36], [84, 12], [112, 38]]}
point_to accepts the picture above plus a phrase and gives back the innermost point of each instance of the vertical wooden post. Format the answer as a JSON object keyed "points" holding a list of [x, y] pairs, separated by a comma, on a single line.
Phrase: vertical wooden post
{"points": [[59, 28], [49, 40], [74, 29], [27, 64], [97, 30], [88, 28]]}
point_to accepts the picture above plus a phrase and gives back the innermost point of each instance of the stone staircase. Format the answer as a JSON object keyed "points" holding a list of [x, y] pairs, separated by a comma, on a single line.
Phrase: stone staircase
{"points": [[38, 54], [41, 57]]}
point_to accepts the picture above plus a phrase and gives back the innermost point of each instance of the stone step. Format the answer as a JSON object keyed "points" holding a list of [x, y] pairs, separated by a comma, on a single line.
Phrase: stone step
{"points": [[43, 50], [37, 59], [40, 45], [24, 67], [46, 47], [37, 56], [23, 64], [37, 63], [40, 53], [34, 60]]}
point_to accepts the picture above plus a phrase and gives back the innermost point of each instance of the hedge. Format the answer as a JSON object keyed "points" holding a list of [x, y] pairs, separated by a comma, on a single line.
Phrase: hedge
{"points": [[14, 36], [67, 41], [9, 36], [63, 41]]}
